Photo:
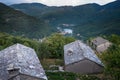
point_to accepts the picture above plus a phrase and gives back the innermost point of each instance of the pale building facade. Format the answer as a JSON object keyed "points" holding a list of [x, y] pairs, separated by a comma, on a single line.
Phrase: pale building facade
{"points": [[80, 58], [100, 44]]}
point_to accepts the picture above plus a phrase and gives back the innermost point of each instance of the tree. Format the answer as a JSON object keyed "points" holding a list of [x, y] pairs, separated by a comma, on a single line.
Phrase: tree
{"points": [[111, 58], [7, 40], [54, 45]]}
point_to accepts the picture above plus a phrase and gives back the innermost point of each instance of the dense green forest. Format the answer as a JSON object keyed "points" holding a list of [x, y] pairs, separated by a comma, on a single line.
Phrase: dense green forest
{"points": [[36, 20], [16, 22], [52, 48], [87, 20]]}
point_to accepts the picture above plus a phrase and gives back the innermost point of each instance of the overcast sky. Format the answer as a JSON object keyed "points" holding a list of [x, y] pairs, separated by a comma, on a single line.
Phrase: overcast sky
{"points": [[58, 2]]}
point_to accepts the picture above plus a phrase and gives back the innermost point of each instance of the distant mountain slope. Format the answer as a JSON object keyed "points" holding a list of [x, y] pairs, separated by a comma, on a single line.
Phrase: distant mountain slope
{"points": [[52, 13], [32, 9], [17, 23], [88, 20]]}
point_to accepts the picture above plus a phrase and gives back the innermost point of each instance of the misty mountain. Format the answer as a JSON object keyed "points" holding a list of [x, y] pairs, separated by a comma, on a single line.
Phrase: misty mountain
{"points": [[17, 23], [52, 13], [88, 20]]}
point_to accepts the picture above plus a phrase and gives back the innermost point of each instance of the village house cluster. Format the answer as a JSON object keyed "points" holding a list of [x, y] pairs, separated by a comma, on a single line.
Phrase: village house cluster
{"points": [[19, 62]]}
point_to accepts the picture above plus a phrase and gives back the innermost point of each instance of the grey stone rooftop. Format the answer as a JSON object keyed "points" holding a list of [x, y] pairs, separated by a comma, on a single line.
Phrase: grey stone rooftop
{"points": [[3, 71], [77, 51], [23, 58], [99, 40]]}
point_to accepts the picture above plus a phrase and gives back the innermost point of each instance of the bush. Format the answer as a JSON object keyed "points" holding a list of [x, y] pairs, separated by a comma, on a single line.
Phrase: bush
{"points": [[69, 76], [111, 59]]}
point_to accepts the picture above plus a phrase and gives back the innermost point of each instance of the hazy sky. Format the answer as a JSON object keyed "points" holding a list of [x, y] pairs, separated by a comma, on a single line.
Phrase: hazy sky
{"points": [[58, 2]]}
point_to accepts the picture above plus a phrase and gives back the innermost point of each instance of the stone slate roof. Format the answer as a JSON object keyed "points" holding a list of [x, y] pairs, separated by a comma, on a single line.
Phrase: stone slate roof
{"points": [[77, 51], [99, 40], [23, 58], [3, 71]]}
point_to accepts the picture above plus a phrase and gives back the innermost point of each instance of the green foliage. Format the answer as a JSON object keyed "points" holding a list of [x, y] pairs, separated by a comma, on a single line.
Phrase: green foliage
{"points": [[69, 76], [89, 20], [8, 40], [114, 39], [111, 59], [53, 45], [17, 23]]}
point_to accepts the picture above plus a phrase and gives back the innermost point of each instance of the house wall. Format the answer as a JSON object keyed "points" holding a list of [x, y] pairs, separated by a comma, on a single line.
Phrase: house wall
{"points": [[103, 47], [25, 77], [84, 67], [17, 77]]}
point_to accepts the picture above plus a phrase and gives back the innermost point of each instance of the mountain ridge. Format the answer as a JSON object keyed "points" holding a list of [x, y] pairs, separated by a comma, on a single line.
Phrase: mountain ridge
{"points": [[17, 23], [88, 20]]}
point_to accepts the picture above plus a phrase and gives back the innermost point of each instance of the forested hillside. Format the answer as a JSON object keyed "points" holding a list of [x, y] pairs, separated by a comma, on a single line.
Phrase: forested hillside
{"points": [[17, 23], [87, 20]]}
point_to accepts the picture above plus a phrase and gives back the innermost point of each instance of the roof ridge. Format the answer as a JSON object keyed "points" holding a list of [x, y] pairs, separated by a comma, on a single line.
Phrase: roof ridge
{"points": [[80, 48], [83, 51]]}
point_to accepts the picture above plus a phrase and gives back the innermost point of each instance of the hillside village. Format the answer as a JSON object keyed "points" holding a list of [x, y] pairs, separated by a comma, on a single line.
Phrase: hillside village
{"points": [[40, 42], [19, 62]]}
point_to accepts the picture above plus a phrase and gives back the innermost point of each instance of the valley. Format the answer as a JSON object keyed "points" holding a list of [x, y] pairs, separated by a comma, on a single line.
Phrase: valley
{"points": [[87, 20]]}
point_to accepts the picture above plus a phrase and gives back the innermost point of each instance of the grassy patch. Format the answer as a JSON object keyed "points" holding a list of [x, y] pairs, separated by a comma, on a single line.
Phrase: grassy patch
{"points": [[47, 62], [69, 76]]}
